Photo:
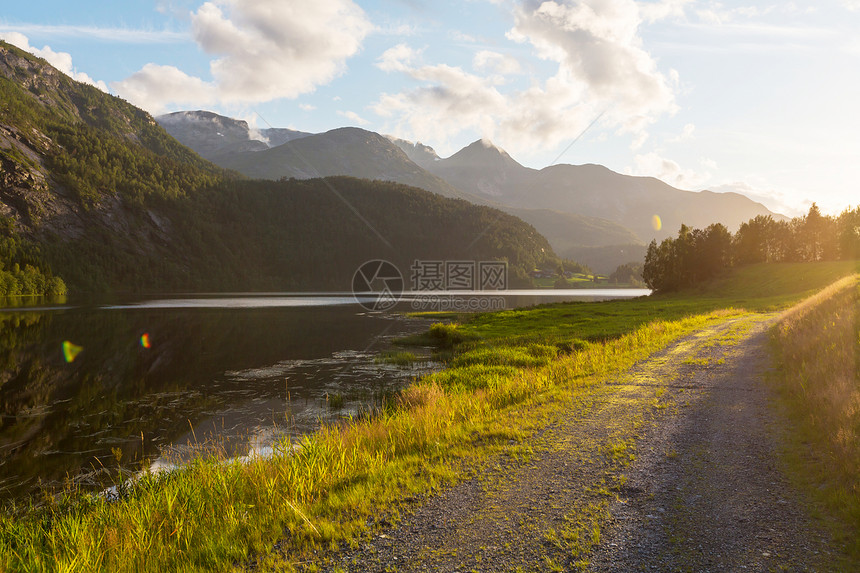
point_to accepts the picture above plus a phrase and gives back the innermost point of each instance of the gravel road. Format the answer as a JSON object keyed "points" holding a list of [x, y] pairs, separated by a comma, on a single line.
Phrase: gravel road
{"points": [[708, 492], [671, 466]]}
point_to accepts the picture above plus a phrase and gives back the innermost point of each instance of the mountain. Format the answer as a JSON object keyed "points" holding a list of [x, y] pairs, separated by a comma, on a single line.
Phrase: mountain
{"points": [[215, 136], [360, 153], [417, 151], [486, 171], [74, 161], [94, 190], [346, 151], [565, 231], [634, 202], [577, 207]]}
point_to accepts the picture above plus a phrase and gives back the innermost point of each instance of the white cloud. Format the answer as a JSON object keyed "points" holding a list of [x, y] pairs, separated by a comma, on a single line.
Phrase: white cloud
{"points": [[452, 101], [639, 140], [462, 37], [853, 5], [263, 49], [60, 60], [173, 87], [395, 29], [396, 59], [495, 63], [597, 47], [653, 11], [685, 134], [717, 13], [307, 107], [601, 68], [852, 46], [352, 116], [654, 165]]}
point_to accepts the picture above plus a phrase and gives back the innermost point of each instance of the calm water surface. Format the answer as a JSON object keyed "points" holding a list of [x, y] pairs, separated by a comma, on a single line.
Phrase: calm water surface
{"points": [[149, 380]]}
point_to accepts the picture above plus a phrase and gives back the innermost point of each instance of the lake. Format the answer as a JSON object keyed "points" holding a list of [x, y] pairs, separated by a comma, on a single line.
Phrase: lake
{"points": [[85, 388]]}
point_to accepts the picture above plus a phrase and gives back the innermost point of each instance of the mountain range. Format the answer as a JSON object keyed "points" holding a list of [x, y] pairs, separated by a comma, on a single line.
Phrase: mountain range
{"points": [[587, 212], [110, 198], [94, 190]]}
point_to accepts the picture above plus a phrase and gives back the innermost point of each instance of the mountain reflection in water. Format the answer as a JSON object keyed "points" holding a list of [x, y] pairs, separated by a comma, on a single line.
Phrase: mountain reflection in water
{"points": [[84, 389], [238, 375]]}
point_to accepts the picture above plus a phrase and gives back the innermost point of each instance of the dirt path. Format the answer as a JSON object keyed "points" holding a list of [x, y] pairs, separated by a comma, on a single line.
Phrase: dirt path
{"points": [[671, 466], [707, 492]]}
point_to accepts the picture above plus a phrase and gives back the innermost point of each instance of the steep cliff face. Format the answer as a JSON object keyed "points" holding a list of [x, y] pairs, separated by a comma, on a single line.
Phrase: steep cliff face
{"points": [[77, 164], [29, 198], [25, 183], [31, 73]]}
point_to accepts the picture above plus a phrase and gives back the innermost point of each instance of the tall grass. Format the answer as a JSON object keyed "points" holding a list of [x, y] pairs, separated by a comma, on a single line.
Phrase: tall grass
{"points": [[818, 344], [213, 513]]}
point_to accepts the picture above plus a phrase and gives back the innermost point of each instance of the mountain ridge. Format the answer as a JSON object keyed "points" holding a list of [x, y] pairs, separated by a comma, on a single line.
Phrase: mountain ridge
{"points": [[214, 136], [631, 210], [95, 190], [348, 151], [361, 153]]}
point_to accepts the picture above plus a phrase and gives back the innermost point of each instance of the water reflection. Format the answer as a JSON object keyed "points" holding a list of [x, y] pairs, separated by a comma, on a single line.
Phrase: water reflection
{"points": [[83, 388], [216, 370]]}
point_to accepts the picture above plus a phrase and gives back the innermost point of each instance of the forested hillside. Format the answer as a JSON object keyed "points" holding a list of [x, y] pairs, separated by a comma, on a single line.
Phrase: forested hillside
{"points": [[95, 192], [297, 235], [698, 255]]}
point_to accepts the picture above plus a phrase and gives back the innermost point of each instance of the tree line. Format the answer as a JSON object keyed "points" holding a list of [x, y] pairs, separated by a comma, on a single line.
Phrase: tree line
{"points": [[22, 271], [698, 255]]}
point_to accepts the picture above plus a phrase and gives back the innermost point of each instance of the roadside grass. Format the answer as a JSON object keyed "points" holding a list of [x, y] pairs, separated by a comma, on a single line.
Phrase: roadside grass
{"points": [[327, 494], [507, 373], [818, 348], [783, 285]]}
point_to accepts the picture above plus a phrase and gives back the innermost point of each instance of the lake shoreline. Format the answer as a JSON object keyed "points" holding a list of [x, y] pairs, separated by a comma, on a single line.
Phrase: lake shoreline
{"points": [[348, 483]]}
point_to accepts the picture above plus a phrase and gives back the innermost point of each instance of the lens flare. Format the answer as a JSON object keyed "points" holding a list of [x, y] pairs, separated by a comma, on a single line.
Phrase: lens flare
{"points": [[656, 222], [144, 340], [71, 351]]}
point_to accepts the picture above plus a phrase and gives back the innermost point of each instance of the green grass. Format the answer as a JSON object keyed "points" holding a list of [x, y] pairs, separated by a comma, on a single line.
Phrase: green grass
{"points": [[753, 288], [507, 371], [403, 358], [438, 315], [818, 349]]}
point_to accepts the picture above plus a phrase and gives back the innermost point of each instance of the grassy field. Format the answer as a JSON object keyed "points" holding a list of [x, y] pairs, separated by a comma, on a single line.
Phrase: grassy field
{"points": [[818, 347], [507, 373]]}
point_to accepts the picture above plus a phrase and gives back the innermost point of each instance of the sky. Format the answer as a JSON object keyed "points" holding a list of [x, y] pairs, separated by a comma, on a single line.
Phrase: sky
{"points": [[756, 97]]}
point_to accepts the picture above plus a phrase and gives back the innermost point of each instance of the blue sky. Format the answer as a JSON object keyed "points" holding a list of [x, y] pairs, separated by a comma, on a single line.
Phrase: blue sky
{"points": [[759, 97]]}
